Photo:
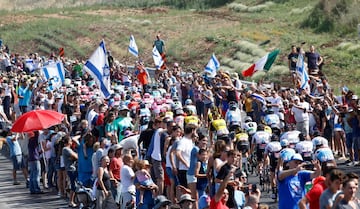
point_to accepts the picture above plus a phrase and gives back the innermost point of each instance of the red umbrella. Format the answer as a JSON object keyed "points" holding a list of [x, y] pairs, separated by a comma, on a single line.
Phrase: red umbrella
{"points": [[37, 120]]}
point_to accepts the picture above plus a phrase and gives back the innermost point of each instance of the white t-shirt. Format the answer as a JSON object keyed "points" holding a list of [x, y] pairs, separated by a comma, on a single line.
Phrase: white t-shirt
{"points": [[168, 163], [127, 179], [185, 146], [277, 100], [156, 154], [299, 114]]}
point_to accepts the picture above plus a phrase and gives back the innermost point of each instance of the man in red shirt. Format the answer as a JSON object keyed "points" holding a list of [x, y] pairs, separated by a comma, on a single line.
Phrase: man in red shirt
{"points": [[319, 185], [115, 167], [142, 76], [222, 195]]}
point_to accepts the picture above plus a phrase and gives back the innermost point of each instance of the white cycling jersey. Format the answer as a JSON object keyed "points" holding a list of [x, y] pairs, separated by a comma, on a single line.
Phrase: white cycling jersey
{"points": [[291, 136], [273, 147], [304, 148], [261, 139]]}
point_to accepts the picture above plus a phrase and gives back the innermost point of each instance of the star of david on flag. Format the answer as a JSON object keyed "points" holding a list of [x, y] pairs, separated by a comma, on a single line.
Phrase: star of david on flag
{"points": [[98, 67], [54, 73]]}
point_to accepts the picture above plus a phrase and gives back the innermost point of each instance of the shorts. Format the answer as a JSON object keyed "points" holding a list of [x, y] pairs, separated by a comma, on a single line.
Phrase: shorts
{"points": [[200, 108], [209, 105], [158, 169], [303, 127], [171, 175], [191, 179], [18, 162], [147, 183], [243, 148], [259, 154], [273, 163]]}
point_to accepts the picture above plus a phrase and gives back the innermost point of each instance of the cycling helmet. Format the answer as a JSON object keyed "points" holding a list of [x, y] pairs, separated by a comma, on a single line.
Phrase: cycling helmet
{"points": [[270, 111], [276, 129], [232, 105], [248, 119], [188, 102], [284, 143], [274, 137], [261, 127]]}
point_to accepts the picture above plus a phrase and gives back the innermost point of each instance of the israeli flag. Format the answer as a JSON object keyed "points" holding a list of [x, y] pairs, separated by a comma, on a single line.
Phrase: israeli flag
{"points": [[133, 49], [157, 58], [212, 66], [98, 67], [54, 74], [301, 72], [30, 64]]}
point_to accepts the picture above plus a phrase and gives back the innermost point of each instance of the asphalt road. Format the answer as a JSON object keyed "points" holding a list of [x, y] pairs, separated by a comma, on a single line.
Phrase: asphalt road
{"points": [[18, 196]]}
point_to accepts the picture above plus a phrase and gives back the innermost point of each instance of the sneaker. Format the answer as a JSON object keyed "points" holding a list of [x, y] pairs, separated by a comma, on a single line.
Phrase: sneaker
{"points": [[16, 183], [348, 161], [356, 163], [350, 164], [273, 196]]}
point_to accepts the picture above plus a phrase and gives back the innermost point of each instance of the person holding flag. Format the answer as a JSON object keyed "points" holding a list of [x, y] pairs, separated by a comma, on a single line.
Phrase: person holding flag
{"points": [[159, 44], [213, 66]]}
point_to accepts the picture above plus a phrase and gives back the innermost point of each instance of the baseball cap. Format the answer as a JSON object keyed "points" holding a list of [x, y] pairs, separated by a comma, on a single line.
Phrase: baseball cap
{"points": [[204, 201], [161, 200], [296, 156]]}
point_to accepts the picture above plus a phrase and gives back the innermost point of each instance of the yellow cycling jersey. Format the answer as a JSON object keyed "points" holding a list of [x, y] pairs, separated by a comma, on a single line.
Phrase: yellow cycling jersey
{"points": [[191, 120], [242, 137], [220, 126]]}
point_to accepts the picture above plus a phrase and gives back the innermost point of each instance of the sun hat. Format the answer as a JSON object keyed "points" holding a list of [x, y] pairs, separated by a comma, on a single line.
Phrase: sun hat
{"points": [[185, 197]]}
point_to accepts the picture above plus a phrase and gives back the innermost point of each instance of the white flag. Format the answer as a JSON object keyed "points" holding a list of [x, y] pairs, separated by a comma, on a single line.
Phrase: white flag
{"points": [[157, 58], [133, 49], [212, 66], [54, 73], [98, 67], [301, 71]]}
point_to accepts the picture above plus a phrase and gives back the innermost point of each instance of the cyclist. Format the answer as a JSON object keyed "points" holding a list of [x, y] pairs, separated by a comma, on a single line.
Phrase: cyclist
{"points": [[272, 154], [249, 126], [233, 116], [218, 125], [145, 116], [242, 145], [259, 141], [191, 118], [305, 148], [189, 105], [322, 152], [285, 154], [271, 118], [292, 137]]}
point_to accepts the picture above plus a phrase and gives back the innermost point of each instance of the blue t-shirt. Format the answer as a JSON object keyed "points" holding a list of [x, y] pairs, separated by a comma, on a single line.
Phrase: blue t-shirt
{"points": [[193, 161], [14, 146], [26, 93], [292, 189]]}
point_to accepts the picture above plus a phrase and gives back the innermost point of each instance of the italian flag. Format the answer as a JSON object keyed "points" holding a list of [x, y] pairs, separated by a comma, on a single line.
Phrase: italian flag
{"points": [[263, 64]]}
